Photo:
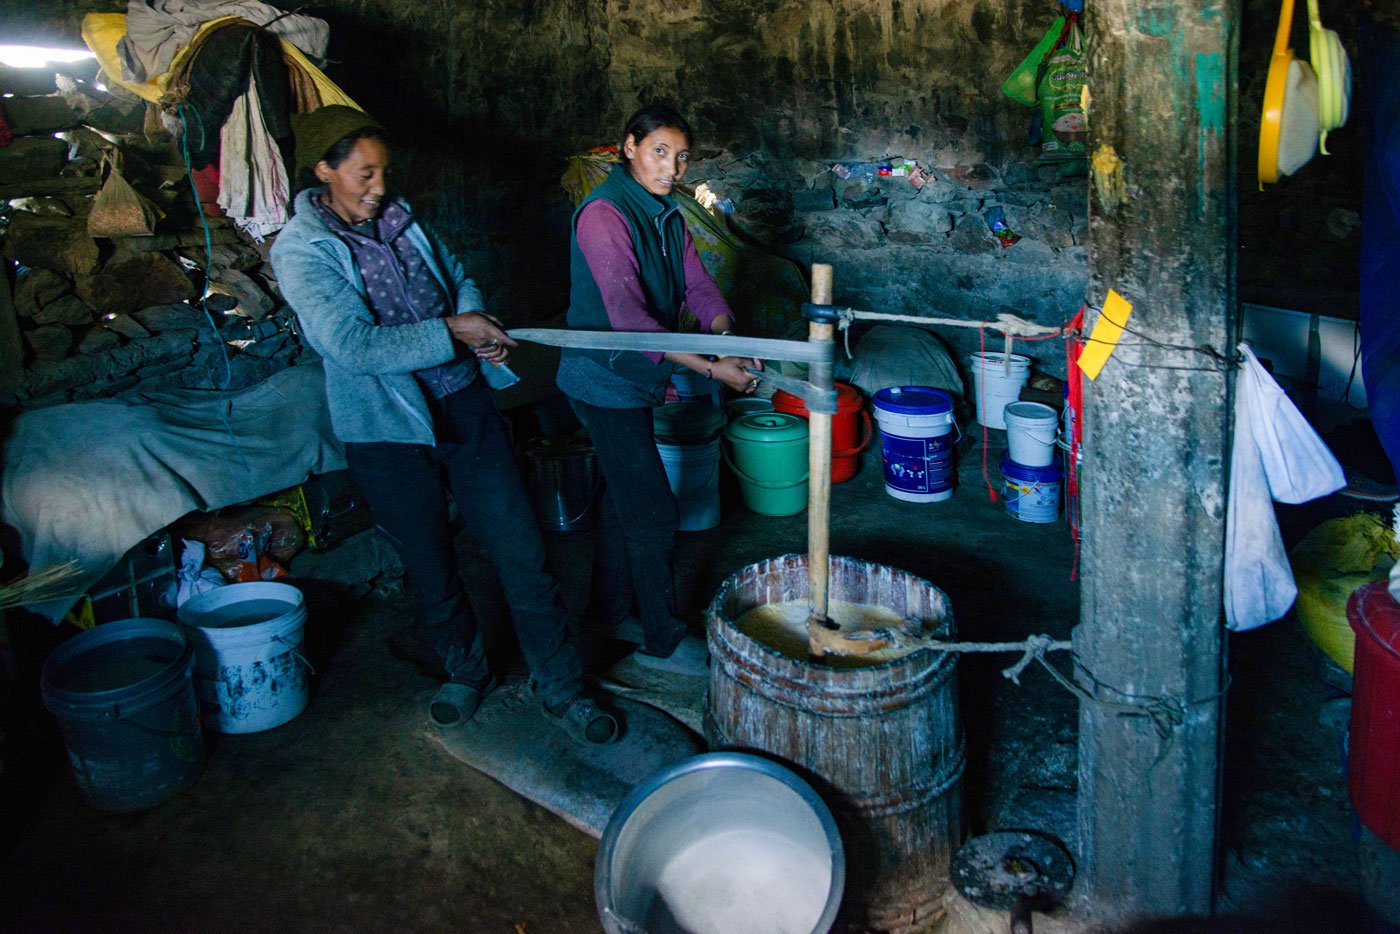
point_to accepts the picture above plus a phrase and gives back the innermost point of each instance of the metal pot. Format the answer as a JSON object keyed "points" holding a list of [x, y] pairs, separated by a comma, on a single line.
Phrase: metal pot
{"points": [[563, 482], [720, 843]]}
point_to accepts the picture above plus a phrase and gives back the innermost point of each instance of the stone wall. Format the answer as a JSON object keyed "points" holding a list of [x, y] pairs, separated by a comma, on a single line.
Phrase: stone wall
{"points": [[487, 98], [922, 251], [778, 91], [84, 316]]}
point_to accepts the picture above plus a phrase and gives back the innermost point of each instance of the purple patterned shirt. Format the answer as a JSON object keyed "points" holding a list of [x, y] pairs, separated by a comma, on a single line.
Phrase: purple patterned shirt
{"points": [[400, 287]]}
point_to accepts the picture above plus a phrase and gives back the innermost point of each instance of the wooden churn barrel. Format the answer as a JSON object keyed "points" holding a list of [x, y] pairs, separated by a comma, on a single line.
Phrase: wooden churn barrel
{"points": [[880, 740]]}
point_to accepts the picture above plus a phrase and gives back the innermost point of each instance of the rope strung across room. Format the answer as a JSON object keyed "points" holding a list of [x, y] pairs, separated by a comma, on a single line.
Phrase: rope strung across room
{"points": [[1165, 712], [1008, 324], [1013, 326]]}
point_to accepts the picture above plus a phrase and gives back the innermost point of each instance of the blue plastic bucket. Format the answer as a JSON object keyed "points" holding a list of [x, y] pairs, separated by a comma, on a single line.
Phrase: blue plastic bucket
{"points": [[916, 442], [1032, 494], [689, 386], [687, 440], [123, 694]]}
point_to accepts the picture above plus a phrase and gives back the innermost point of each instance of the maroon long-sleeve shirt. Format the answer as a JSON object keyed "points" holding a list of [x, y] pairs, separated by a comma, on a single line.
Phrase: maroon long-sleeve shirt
{"points": [[605, 239]]}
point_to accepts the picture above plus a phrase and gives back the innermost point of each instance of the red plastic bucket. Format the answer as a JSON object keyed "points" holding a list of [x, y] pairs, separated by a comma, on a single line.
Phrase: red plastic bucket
{"points": [[1373, 762], [847, 425]]}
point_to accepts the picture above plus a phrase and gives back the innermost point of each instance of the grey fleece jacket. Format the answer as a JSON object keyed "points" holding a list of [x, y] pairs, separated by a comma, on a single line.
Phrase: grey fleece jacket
{"points": [[370, 387]]}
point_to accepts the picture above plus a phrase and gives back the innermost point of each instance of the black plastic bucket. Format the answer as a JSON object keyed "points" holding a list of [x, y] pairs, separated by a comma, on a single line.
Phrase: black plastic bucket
{"points": [[124, 697]]}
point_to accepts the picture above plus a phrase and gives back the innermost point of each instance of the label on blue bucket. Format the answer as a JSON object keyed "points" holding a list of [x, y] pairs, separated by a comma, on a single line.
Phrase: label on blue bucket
{"points": [[918, 465], [1032, 494]]}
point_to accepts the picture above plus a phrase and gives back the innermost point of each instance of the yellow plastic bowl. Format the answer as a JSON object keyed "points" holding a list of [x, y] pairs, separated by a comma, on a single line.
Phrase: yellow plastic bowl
{"points": [[1271, 122]]}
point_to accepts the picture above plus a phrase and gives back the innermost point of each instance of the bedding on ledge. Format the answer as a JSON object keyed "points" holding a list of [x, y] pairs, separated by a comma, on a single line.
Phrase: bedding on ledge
{"points": [[86, 481]]}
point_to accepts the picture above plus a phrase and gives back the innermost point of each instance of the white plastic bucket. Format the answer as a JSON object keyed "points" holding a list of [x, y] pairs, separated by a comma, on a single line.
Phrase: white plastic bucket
{"points": [[916, 442], [693, 471], [994, 386], [250, 671], [1030, 433]]}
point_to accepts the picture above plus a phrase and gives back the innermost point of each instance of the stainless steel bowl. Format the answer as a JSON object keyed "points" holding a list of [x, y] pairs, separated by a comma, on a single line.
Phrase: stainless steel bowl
{"points": [[721, 843]]}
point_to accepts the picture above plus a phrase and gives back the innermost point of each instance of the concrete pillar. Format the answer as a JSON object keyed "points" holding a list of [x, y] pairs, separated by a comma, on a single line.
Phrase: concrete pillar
{"points": [[1162, 228]]}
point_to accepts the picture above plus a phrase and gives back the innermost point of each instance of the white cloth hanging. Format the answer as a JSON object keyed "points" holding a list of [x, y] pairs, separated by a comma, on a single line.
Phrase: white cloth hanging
{"points": [[253, 186], [1276, 456]]}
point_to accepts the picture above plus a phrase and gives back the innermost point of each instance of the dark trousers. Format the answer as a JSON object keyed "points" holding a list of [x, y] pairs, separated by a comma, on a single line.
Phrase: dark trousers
{"points": [[634, 560], [403, 484]]}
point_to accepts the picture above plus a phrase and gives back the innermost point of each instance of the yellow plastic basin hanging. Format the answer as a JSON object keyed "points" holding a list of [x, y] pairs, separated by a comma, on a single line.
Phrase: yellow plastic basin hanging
{"points": [[1289, 127]]}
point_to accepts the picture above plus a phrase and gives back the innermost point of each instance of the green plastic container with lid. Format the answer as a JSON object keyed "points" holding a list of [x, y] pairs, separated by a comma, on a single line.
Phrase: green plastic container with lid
{"points": [[768, 453], [686, 422]]}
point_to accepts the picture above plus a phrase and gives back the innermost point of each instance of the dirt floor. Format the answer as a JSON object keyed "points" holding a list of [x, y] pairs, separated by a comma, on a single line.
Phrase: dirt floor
{"points": [[352, 818]]}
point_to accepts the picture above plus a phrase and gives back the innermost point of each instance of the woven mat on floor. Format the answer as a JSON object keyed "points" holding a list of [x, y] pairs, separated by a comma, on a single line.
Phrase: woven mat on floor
{"points": [[511, 740], [681, 696]]}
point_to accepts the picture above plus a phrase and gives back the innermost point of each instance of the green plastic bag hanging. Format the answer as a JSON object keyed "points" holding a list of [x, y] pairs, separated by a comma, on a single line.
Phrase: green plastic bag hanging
{"points": [[1020, 85]]}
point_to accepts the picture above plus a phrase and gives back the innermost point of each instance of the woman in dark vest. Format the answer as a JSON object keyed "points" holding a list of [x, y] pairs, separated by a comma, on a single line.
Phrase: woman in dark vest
{"points": [[633, 267]]}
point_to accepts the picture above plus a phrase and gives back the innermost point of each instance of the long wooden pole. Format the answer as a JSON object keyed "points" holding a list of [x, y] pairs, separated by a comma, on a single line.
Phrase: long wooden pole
{"points": [[819, 458]]}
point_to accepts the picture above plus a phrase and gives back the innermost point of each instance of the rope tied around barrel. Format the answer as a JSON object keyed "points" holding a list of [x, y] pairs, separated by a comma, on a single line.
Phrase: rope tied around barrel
{"points": [[1033, 649]]}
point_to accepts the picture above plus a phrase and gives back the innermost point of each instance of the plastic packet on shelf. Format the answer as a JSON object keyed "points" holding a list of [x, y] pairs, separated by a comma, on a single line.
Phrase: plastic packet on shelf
{"points": [[860, 171], [996, 220], [194, 578]]}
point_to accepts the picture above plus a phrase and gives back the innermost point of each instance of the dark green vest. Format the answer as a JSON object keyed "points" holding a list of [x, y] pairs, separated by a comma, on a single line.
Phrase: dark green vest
{"points": [[658, 240]]}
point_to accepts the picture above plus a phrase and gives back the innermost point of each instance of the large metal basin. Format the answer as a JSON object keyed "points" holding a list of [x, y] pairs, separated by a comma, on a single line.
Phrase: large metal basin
{"points": [[721, 843]]}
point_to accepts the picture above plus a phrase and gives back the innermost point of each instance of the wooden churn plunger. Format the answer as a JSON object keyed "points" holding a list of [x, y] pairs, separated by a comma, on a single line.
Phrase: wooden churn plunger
{"points": [[821, 327]]}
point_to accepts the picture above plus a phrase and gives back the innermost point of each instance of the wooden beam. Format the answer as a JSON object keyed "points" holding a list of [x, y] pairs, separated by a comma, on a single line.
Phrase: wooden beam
{"points": [[1162, 234]]}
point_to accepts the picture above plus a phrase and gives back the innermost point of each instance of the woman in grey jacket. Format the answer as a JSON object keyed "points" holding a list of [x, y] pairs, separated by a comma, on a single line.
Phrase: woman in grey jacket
{"points": [[404, 339]]}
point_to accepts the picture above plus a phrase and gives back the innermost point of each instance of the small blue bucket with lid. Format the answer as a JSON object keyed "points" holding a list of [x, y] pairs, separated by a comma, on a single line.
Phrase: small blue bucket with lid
{"points": [[917, 435], [1032, 494]]}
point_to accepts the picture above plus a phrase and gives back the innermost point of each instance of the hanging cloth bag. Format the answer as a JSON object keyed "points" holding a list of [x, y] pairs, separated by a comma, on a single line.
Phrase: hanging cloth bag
{"points": [[1276, 456]]}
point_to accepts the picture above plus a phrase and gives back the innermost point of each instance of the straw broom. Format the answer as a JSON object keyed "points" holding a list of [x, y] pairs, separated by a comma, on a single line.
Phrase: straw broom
{"points": [[50, 584]]}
